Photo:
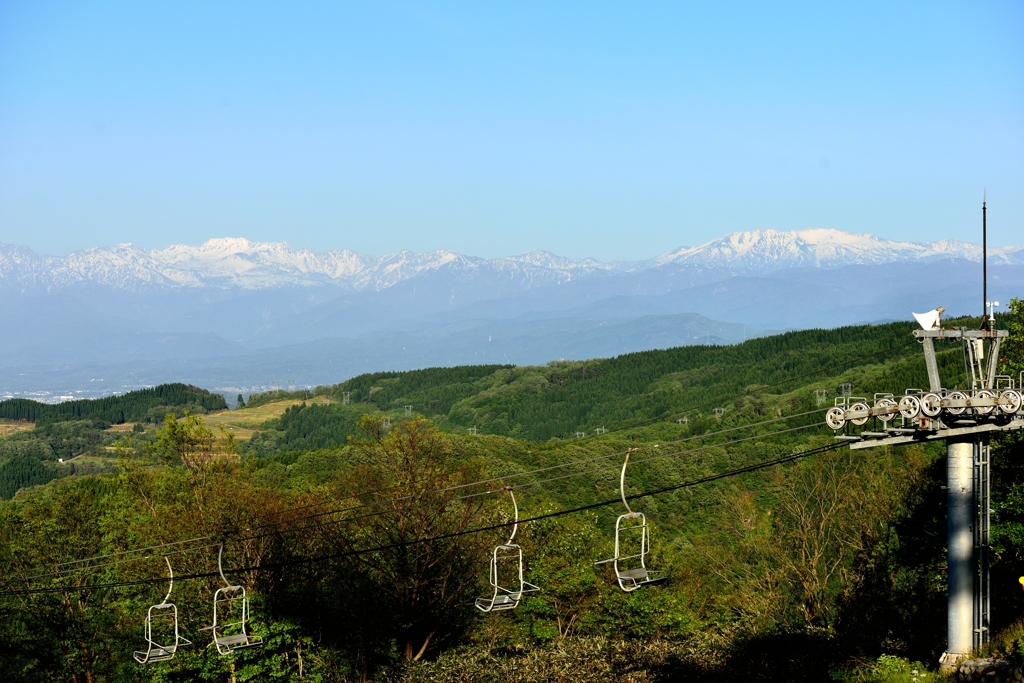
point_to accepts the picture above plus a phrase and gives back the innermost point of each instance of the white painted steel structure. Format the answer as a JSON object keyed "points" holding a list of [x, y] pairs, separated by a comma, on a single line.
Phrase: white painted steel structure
{"points": [[632, 545], [510, 555], [156, 651]]}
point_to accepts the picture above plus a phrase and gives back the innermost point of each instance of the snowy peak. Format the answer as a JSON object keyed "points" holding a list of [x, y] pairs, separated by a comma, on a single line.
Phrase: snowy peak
{"points": [[767, 250], [236, 262]]}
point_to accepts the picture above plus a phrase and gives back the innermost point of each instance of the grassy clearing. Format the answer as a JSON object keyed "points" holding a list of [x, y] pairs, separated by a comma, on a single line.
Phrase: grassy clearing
{"points": [[243, 422], [8, 427]]}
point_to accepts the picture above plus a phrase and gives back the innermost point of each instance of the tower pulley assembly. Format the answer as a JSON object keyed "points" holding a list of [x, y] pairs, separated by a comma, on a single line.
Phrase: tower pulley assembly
{"points": [[924, 409]]}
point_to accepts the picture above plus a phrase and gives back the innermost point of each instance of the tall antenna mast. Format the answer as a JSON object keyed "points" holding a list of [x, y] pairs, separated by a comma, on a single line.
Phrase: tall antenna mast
{"points": [[984, 259]]}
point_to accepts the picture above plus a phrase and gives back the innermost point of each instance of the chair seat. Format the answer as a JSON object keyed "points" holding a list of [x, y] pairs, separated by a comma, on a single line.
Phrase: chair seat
{"points": [[233, 640], [157, 654], [637, 574]]}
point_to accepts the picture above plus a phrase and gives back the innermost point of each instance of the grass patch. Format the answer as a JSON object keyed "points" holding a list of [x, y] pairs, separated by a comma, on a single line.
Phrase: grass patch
{"points": [[244, 421]]}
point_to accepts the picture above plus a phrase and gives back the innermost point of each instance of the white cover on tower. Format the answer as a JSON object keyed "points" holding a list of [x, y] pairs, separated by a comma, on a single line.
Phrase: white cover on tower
{"points": [[929, 320]]}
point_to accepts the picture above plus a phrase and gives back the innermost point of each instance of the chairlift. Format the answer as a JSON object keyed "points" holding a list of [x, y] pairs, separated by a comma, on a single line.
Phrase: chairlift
{"points": [[157, 652], [231, 635], [631, 568], [508, 555]]}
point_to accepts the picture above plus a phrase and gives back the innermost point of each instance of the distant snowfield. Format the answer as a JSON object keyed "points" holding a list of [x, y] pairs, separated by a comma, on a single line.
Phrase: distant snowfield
{"points": [[238, 262]]}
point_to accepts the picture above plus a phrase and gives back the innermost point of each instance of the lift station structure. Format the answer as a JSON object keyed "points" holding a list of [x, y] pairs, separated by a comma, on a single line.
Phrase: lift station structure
{"points": [[965, 419]]}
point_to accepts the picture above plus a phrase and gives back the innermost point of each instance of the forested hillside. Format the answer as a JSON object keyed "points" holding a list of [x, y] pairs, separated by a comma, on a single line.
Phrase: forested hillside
{"points": [[562, 399], [363, 534], [79, 431], [134, 406]]}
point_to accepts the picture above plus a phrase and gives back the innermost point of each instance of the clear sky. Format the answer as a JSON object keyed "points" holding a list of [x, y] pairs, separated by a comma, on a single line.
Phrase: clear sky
{"points": [[613, 130]]}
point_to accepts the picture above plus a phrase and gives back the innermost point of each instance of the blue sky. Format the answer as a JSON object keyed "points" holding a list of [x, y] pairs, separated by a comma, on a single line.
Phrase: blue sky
{"points": [[615, 130]]}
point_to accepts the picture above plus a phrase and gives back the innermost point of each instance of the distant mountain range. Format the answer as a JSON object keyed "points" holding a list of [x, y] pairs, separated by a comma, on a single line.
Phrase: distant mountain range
{"points": [[239, 263], [234, 315]]}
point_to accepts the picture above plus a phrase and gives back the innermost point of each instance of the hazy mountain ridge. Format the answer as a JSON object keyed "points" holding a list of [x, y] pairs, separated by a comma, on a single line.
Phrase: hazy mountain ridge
{"points": [[240, 263]]}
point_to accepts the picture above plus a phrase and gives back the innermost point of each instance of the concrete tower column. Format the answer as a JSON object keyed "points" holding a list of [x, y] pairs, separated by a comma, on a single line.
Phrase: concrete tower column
{"points": [[960, 554]]}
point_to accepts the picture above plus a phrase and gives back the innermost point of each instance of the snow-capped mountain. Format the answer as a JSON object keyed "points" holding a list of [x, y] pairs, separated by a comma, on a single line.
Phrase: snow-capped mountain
{"points": [[238, 263], [232, 313], [769, 250]]}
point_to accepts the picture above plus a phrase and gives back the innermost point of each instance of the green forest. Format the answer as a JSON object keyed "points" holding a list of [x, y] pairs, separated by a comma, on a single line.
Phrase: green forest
{"points": [[134, 406], [66, 435], [362, 525]]}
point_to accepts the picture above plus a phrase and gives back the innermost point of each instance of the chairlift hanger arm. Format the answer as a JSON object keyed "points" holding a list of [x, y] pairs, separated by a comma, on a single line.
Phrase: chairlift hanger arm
{"points": [[622, 483], [515, 508], [170, 572]]}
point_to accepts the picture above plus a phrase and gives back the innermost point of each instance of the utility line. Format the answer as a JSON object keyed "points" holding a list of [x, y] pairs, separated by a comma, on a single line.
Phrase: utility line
{"points": [[549, 468], [519, 474], [493, 527], [637, 424], [81, 563], [571, 475], [445, 503], [662, 416]]}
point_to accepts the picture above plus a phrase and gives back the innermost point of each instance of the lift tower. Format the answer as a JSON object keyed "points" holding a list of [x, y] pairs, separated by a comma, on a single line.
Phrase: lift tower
{"points": [[965, 419]]}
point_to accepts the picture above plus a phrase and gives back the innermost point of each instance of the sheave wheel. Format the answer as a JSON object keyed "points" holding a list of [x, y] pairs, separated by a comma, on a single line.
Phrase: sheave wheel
{"points": [[956, 396], [860, 421], [931, 404], [834, 418], [885, 404], [1012, 401], [910, 407], [984, 410]]}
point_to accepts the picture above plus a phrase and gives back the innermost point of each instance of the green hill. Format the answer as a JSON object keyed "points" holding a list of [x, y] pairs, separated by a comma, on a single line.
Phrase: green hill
{"points": [[134, 406], [556, 401], [363, 556], [70, 430]]}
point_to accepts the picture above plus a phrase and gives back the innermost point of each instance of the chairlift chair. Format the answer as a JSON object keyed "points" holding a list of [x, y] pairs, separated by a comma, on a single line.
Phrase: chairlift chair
{"points": [[231, 635], [506, 555], [631, 570], [155, 651]]}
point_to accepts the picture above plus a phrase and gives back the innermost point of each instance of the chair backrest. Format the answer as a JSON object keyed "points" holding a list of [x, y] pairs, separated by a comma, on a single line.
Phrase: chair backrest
{"points": [[623, 543]]}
